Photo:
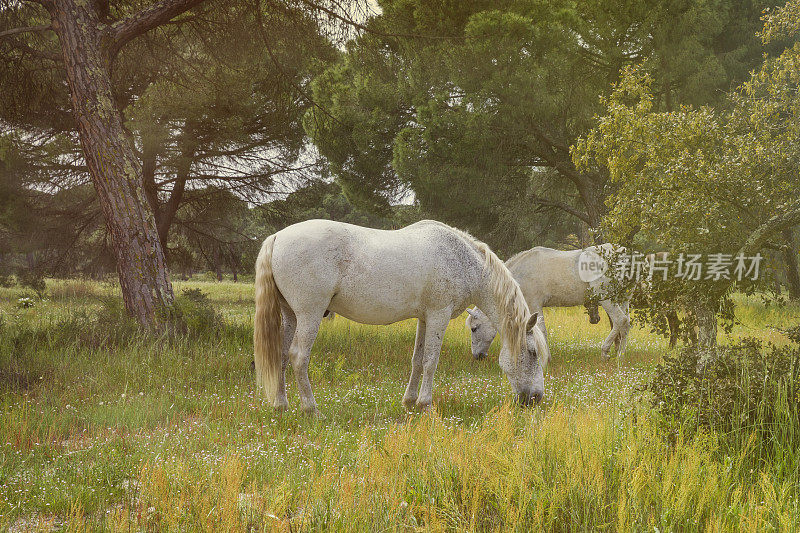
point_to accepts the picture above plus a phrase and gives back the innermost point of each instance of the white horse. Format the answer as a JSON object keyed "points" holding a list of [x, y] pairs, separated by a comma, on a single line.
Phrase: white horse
{"points": [[551, 278], [427, 271]]}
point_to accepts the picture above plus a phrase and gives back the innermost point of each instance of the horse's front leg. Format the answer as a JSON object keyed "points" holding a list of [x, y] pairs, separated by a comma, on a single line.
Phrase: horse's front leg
{"points": [[412, 390], [435, 324], [540, 322]]}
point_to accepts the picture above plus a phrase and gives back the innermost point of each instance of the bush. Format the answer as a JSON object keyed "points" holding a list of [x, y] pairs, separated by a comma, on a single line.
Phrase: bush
{"points": [[112, 326], [193, 313], [748, 388], [32, 280]]}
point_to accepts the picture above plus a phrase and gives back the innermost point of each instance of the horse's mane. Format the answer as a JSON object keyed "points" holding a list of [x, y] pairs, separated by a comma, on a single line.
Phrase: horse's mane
{"points": [[507, 294]]}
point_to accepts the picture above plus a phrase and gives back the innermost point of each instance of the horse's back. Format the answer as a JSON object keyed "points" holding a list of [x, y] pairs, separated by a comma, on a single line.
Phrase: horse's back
{"points": [[549, 277], [368, 275]]}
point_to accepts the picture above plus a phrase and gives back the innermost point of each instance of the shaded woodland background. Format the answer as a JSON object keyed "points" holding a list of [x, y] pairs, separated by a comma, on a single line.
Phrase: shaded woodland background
{"points": [[221, 122]]}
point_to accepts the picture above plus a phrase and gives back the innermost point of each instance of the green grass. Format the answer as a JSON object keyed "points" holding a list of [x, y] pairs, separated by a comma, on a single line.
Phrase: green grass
{"points": [[171, 434]]}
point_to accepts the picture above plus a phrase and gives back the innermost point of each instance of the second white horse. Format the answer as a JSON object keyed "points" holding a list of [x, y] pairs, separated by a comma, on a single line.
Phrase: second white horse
{"points": [[551, 278]]}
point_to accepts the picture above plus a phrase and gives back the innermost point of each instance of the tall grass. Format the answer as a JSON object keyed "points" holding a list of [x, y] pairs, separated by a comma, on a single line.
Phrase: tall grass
{"points": [[561, 471], [104, 429]]}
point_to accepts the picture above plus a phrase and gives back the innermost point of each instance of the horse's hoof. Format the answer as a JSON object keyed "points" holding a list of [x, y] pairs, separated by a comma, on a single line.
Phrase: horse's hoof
{"points": [[314, 413], [409, 403], [281, 406], [423, 406]]}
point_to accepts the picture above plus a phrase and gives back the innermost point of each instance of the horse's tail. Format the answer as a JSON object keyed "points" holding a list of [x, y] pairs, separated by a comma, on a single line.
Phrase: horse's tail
{"points": [[267, 331]]}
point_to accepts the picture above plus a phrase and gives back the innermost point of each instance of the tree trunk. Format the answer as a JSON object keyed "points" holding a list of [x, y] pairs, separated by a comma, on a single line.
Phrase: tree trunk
{"points": [[113, 166], [706, 332], [165, 213], [790, 258], [184, 167], [592, 201], [674, 327], [217, 263]]}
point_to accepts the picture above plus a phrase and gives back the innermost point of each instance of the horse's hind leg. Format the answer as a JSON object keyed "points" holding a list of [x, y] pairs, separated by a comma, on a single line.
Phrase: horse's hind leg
{"points": [[620, 324], [412, 390], [621, 341], [300, 353], [289, 325]]}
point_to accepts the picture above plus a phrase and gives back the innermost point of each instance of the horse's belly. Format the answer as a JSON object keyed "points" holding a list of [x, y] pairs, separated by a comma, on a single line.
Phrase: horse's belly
{"points": [[371, 311]]}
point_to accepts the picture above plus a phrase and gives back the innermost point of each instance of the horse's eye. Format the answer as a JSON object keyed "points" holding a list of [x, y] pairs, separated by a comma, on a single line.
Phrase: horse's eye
{"points": [[473, 329]]}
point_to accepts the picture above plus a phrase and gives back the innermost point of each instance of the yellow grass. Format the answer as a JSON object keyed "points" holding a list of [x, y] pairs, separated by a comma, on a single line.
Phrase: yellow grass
{"points": [[171, 434]]}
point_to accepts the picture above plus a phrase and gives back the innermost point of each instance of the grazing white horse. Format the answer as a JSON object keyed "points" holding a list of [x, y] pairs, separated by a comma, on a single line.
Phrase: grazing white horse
{"points": [[427, 271], [550, 278]]}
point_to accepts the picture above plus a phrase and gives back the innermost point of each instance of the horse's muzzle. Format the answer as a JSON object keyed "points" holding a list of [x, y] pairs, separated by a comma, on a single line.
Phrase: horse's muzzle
{"points": [[526, 400], [479, 357]]}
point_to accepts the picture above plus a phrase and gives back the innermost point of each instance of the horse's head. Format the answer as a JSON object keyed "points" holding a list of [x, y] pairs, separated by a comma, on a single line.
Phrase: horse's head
{"points": [[527, 376], [482, 332]]}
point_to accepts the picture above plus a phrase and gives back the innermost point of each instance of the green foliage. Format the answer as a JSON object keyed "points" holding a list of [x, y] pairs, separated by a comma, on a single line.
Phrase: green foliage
{"points": [[216, 120], [194, 314], [319, 199], [782, 22], [699, 180], [748, 388], [168, 432], [32, 280], [474, 110]]}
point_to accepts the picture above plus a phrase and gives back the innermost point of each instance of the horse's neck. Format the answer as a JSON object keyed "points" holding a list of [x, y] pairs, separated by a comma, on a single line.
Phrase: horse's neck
{"points": [[485, 298], [486, 303]]}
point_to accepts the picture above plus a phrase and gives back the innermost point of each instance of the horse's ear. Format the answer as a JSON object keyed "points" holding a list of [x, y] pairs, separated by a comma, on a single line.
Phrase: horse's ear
{"points": [[472, 313], [532, 321]]}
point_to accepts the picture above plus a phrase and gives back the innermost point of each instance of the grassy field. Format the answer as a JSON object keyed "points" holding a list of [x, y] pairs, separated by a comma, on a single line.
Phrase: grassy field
{"points": [[99, 431]]}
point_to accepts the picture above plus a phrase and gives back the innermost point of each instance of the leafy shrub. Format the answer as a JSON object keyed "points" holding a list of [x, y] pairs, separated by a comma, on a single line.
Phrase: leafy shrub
{"points": [[193, 313], [111, 326], [195, 295], [32, 280], [748, 388]]}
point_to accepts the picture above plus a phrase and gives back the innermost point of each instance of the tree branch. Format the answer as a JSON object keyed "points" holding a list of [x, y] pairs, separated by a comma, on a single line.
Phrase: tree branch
{"points": [[26, 29], [41, 54], [347, 20], [145, 20], [758, 238], [544, 202]]}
